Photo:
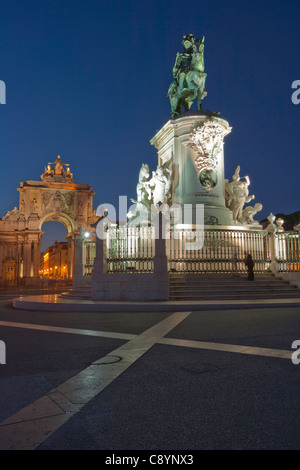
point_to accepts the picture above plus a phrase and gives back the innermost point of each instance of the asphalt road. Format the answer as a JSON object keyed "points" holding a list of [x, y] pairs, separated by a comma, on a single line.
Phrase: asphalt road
{"points": [[211, 380]]}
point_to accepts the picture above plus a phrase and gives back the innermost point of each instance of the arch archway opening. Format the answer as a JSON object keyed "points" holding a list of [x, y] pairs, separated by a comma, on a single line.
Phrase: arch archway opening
{"points": [[55, 252]]}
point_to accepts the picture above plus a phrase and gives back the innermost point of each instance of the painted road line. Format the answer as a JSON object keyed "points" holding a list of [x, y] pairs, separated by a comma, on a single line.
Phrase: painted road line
{"points": [[31, 426], [234, 348], [73, 331]]}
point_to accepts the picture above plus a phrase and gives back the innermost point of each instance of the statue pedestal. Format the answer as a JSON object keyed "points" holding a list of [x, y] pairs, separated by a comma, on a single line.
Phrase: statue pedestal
{"points": [[191, 145]]}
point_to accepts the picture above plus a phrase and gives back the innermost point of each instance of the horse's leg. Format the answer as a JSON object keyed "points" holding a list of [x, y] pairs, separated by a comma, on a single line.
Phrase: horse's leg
{"points": [[199, 105], [194, 89], [192, 98]]}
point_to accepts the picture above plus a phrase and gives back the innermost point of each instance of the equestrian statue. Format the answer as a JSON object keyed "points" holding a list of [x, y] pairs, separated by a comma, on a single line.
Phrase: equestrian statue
{"points": [[189, 76]]}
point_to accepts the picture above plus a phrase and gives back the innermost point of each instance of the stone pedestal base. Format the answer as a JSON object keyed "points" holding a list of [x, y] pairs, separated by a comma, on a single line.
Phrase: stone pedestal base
{"points": [[191, 146], [131, 286]]}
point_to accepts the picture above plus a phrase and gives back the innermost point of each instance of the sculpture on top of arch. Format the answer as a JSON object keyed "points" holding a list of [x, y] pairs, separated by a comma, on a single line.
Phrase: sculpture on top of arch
{"points": [[56, 172]]}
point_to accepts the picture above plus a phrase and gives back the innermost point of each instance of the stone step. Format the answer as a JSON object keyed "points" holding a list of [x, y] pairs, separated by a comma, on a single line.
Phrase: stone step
{"points": [[221, 274], [80, 292], [228, 283], [221, 286], [233, 296], [76, 295], [189, 287], [245, 285], [238, 291], [240, 277], [81, 288]]}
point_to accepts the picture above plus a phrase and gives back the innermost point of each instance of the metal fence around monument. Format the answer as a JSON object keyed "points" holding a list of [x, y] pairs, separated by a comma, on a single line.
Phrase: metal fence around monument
{"points": [[130, 249], [287, 247], [133, 249], [219, 251], [89, 255]]}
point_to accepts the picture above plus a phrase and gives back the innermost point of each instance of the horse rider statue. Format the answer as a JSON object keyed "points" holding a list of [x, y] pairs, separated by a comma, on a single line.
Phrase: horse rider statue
{"points": [[189, 76]]}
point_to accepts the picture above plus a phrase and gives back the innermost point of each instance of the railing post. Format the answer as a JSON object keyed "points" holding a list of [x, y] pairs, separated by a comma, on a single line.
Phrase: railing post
{"points": [[160, 259], [297, 249], [78, 265], [297, 227], [100, 267], [100, 264], [271, 229]]}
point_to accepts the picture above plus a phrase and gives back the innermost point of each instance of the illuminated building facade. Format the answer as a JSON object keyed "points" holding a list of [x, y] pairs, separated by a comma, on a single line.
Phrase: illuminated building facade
{"points": [[54, 261]]}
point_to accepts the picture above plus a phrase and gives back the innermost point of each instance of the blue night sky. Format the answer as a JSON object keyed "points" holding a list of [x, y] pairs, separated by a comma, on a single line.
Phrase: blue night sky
{"points": [[88, 80]]}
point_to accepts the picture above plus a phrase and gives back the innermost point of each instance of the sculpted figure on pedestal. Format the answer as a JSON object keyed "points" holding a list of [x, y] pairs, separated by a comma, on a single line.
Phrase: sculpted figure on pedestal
{"points": [[48, 172], [249, 212], [160, 184], [22, 207], [34, 206], [68, 174], [143, 189], [59, 169], [56, 172], [237, 195], [153, 191], [189, 76]]}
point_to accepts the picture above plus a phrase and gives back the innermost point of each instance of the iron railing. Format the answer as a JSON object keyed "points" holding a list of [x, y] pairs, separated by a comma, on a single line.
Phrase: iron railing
{"points": [[219, 251], [287, 248], [89, 254], [132, 249]]}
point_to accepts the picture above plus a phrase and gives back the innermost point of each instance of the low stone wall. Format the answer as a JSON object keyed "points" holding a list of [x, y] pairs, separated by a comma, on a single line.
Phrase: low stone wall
{"points": [[131, 286]]}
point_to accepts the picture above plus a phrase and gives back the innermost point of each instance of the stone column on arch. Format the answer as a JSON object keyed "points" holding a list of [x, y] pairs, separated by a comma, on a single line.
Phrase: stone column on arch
{"points": [[27, 260], [20, 256], [35, 258], [71, 249]]}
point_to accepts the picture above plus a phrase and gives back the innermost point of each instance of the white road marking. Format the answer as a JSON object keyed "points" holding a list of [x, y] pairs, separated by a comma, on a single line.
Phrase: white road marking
{"points": [[31, 426], [74, 331], [234, 348]]}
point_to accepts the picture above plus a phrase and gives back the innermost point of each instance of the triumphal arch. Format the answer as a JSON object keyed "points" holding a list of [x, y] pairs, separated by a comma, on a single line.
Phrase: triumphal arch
{"points": [[55, 198]]}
